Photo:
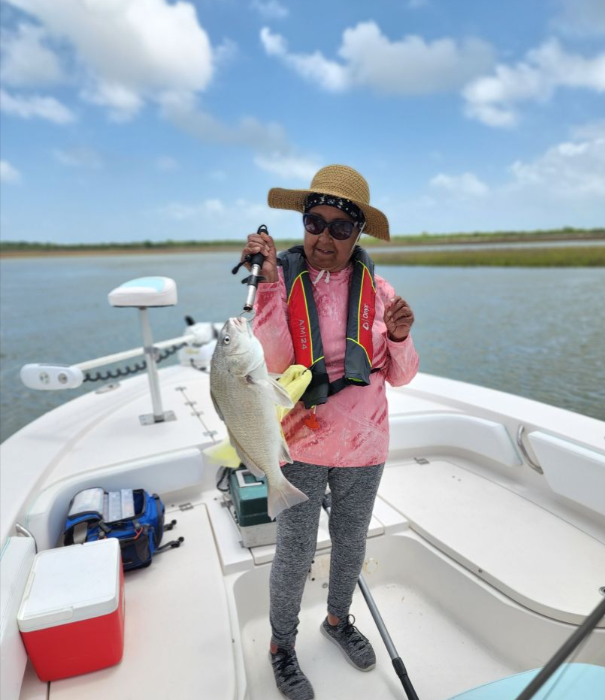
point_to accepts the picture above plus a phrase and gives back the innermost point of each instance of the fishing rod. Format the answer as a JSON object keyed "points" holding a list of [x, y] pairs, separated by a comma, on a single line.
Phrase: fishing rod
{"points": [[256, 264], [564, 651], [398, 664]]}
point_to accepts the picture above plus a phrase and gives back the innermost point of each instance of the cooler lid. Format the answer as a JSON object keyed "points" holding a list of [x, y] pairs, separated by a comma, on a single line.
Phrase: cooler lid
{"points": [[71, 584]]}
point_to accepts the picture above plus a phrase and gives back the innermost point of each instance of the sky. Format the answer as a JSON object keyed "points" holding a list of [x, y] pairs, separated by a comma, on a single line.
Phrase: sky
{"points": [[132, 120]]}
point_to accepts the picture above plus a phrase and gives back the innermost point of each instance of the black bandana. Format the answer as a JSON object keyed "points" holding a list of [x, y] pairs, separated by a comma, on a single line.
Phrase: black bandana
{"points": [[315, 199]]}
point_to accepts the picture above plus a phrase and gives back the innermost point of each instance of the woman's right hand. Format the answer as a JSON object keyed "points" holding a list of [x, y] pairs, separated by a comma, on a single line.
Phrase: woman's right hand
{"points": [[263, 243]]}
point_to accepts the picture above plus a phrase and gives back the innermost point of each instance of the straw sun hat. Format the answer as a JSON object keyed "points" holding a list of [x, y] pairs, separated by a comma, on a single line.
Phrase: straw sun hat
{"points": [[340, 181]]}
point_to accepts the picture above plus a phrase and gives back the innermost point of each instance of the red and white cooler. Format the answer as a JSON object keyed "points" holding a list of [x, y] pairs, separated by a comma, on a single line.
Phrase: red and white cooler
{"points": [[72, 614]]}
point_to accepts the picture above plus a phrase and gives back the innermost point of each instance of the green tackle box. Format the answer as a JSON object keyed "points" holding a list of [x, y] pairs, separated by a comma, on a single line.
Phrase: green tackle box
{"points": [[249, 496]]}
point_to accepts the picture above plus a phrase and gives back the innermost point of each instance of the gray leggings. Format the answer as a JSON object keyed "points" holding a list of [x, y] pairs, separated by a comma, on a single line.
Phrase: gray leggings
{"points": [[353, 493]]}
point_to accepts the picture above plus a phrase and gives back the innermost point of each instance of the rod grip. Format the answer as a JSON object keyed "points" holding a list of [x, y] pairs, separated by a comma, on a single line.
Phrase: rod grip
{"points": [[257, 259], [401, 671]]}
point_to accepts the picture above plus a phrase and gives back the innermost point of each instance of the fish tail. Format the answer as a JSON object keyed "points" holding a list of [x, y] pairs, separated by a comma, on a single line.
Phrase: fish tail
{"points": [[283, 496]]}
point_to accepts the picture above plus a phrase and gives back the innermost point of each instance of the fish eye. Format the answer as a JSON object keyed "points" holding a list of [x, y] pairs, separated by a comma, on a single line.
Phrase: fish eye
{"points": [[226, 340]]}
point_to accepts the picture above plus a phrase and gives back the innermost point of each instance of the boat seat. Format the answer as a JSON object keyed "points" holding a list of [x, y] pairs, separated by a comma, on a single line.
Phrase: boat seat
{"points": [[571, 470], [162, 474], [529, 554], [171, 607], [581, 681], [415, 434], [15, 564]]}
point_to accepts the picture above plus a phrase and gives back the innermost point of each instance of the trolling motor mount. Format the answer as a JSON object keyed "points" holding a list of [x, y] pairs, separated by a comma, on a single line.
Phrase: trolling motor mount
{"points": [[143, 293]]}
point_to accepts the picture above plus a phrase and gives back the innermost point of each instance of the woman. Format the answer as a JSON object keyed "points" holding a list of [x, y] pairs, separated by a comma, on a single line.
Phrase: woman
{"points": [[321, 305]]}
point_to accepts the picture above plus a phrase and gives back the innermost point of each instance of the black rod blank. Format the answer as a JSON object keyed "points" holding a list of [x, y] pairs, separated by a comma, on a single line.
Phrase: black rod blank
{"points": [[398, 664]]}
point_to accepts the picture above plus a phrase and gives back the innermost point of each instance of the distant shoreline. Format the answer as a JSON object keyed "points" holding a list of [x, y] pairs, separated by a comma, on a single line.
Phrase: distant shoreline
{"points": [[569, 256], [70, 252]]}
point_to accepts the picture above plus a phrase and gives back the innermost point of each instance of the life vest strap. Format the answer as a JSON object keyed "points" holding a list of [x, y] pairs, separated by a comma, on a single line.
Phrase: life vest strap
{"points": [[337, 385]]}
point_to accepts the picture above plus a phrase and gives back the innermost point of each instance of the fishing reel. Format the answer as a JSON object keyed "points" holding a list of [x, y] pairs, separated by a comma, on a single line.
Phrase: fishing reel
{"points": [[256, 261]]}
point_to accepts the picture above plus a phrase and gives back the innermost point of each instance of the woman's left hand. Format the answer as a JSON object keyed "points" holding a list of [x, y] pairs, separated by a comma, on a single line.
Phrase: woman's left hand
{"points": [[398, 318]]}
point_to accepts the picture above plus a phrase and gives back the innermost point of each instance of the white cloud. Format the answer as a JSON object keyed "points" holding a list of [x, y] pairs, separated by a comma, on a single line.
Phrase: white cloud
{"points": [[264, 138], [573, 170], [26, 61], [493, 99], [131, 51], [275, 44], [589, 131], [465, 185], [581, 17], [225, 53], [562, 186], [123, 103], [289, 166], [313, 67], [270, 9], [78, 158], [269, 142], [36, 106], [219, 219], [370, 59], [8, 173]]}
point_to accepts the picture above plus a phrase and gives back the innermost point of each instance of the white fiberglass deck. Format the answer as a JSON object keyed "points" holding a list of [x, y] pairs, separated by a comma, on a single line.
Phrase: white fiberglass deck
{"points": [[524, 551], [441, 655], [458, 524]]}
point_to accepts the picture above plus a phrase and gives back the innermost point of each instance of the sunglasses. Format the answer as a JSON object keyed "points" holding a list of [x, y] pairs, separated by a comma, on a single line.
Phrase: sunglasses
{"points": [[341, 229]]}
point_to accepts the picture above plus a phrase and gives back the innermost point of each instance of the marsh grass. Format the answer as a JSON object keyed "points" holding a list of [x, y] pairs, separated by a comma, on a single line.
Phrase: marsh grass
{"points": [[567, 256]]}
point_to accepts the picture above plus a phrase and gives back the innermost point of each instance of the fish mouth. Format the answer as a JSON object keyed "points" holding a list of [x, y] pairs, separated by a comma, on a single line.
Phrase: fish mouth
{"points": [[241, 324]]}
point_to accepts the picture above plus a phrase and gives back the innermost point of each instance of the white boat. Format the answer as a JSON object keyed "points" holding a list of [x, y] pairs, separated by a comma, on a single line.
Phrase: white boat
{"points": [[486, 549]]}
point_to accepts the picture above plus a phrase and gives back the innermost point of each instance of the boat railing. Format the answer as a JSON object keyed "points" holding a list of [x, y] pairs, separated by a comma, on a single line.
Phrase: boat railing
{"points": [[534, 465]]}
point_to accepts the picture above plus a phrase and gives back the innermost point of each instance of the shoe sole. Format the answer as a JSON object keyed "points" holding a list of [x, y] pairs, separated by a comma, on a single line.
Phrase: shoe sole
{"points": [[344, 653]]}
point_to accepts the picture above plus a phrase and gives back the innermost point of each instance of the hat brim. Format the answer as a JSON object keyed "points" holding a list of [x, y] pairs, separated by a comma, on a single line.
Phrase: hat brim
{"points": [[377, 224]]}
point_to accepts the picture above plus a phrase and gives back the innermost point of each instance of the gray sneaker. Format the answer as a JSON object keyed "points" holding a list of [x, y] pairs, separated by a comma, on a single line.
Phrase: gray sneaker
{"points": [[356, 648], [290, 680]]}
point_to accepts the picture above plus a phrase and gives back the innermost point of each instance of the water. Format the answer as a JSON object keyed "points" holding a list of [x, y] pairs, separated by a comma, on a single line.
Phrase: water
{"points": [[539, 333]]}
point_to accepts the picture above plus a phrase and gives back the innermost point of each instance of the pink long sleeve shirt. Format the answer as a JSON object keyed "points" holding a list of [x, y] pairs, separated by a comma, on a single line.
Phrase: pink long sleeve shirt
{"points": [[353, 426]]}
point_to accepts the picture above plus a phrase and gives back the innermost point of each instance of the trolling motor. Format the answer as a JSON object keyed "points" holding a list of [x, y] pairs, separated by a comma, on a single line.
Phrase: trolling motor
{"points": [[256, 261]]}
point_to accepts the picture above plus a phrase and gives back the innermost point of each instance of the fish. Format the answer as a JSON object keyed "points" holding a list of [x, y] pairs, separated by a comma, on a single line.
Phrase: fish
{"points": [[244, 397]]}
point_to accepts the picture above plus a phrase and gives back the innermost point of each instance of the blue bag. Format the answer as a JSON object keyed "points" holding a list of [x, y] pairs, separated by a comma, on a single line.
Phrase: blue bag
{"points": [[134, 517]]}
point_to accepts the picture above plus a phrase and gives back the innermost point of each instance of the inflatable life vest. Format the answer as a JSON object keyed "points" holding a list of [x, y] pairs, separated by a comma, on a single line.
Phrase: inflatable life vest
{"points": [[304, 324]]}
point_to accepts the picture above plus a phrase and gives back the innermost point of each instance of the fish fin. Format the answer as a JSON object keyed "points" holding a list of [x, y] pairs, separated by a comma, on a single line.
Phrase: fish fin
{"points": [[275, 391], [224, 454], [245, 458], [216, 408], [283, 497], [284, 452]]}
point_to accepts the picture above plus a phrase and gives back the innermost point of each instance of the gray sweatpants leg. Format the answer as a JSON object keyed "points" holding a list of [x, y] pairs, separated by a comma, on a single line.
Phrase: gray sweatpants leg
{"points": [[353, 493]]}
